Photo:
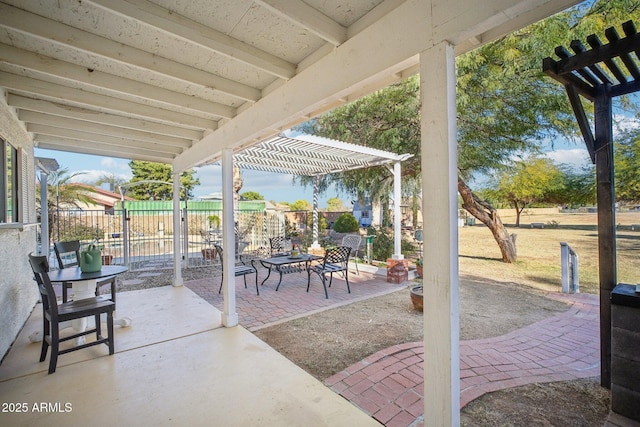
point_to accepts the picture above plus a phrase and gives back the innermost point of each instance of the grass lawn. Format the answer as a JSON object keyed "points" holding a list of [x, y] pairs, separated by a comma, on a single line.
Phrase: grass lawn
{"points": [[538, 250]]}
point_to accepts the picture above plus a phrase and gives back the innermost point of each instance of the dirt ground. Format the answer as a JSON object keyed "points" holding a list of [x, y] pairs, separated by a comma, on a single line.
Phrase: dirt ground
{"points": [[328, 342]]}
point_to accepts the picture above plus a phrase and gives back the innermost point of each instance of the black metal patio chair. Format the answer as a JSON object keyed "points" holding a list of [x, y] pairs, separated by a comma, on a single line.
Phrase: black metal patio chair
{"points": [[280, 244], [335, 260], [353, 241], [241, 269]]}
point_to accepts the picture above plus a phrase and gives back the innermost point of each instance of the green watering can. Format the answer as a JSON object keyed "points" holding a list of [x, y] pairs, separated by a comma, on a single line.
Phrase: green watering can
{"points": [[90, 260]]}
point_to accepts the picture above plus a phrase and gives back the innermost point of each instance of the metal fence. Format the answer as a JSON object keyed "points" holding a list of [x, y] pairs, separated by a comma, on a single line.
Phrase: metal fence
{"points": [[146, 236]]}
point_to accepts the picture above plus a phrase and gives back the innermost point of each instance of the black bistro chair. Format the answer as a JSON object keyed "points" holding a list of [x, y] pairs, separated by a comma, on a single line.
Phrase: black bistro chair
{"points": [[68, 255], [353, 241], [336, 260], [280, 245], [240, 269], [53, 314]]}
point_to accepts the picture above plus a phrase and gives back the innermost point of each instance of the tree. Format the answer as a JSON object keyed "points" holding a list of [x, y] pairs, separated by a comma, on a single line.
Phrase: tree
{"points": [[579, 187], [627, 165], [252, 195], [505, 105], [300, 205], [111, 179], [62, 193], [151, 171], [346, 223], [531, 180], [334, 204]]}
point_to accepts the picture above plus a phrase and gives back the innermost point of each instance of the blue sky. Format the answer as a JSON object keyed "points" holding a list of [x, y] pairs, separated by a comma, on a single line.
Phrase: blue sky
{"points": [[273, 186], [280, 187]]}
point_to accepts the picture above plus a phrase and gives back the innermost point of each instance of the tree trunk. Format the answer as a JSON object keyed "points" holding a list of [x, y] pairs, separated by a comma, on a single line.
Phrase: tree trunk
{"points": [[486, 214]]}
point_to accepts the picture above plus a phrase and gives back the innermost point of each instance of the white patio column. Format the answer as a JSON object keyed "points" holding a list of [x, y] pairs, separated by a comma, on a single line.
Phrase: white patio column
{"points": [[397, 201], [177, 251], [439, 205], [316, 190], [44, 213], [229, 314]]}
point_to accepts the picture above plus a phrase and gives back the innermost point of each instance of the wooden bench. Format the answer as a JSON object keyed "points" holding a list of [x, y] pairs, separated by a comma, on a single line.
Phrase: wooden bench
{"points": [[537, 225]]}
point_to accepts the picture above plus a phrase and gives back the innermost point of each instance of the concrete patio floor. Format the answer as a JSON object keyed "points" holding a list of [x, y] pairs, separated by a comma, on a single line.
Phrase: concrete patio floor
{"points": [[175, 365]]}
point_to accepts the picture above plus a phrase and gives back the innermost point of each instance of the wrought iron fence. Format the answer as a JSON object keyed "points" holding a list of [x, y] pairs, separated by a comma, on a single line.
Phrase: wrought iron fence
{"points": [[145, 239]]}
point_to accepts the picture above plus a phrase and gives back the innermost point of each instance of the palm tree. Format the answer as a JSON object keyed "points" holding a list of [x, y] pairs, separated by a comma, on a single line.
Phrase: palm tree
{"points": [[111, 179], [62, 193]]}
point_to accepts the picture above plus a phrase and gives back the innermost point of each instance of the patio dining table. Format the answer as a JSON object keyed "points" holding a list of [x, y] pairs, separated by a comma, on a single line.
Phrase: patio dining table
{"points": [[286, 264]]}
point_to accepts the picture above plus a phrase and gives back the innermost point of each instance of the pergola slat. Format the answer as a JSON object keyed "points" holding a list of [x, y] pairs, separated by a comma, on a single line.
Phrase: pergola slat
{"points": [[578, 47], [308, 155]]}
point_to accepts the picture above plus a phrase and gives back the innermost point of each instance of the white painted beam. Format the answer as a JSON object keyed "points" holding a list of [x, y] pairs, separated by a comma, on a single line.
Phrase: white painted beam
{"points": [[64, 94], [32, 117], [194, 32], [386, 46], [66, 37], [120, 86], [86, 147], [93, 138], [91, 116], [440, 208], [464, 22], [332, 143], [309, 18]]}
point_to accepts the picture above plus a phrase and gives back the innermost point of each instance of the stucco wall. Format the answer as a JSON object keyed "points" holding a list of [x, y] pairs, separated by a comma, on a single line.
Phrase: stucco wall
{"points": [[18, 292]]}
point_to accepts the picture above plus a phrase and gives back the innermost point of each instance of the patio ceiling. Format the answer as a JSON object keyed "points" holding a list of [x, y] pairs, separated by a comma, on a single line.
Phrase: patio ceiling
{"points": [[179, 82], [310, 155]]}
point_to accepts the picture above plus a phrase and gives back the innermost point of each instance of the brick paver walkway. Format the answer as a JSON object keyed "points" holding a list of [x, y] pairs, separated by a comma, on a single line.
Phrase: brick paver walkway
{"points": [[292, 299], [389, 384]]}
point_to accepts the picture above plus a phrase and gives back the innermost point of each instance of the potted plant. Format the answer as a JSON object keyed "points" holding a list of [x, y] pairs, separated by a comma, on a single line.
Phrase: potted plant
{"points": [[419, 267], [214, 221], [416, 297]]}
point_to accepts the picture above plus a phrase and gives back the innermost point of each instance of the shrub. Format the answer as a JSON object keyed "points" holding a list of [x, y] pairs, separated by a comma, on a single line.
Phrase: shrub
{"points": [[383, 243], [346, 223]]}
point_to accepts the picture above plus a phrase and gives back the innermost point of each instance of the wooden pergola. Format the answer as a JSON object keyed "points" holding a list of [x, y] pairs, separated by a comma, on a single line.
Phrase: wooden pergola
{"points": [[599, 74]]}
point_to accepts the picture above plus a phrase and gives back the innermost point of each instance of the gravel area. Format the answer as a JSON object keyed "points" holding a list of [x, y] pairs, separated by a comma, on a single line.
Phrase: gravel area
{"points": [[153, 278]]}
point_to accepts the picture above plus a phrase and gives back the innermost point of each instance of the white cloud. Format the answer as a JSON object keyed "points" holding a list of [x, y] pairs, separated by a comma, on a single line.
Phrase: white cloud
{"points": [[91, 176], [572, 156], [623, 123], [111, 163]]}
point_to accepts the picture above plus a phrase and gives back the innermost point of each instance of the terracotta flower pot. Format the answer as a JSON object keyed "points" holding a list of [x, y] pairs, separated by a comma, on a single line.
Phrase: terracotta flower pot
{"points": [[209, 253], [416, 297], [419, 270]]}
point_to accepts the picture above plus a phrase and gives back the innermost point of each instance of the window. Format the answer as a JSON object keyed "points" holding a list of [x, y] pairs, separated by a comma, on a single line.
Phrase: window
{"points": [[8, 183]]}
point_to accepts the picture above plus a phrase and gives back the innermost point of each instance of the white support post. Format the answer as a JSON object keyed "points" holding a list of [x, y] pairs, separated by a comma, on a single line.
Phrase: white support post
{"points": [[569, 269], [440, 207], [397, 201], [564, 266], [177, 252], [316, 190], [229, 314], [44, 214], [125, 230]]}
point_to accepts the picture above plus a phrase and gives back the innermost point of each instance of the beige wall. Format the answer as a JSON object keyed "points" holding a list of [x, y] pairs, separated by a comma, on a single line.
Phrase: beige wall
{"points": [[18, 292]]}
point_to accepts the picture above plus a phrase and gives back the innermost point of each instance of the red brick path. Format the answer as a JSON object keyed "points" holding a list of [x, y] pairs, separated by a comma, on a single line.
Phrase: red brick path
{"points": [[389, 384]]}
